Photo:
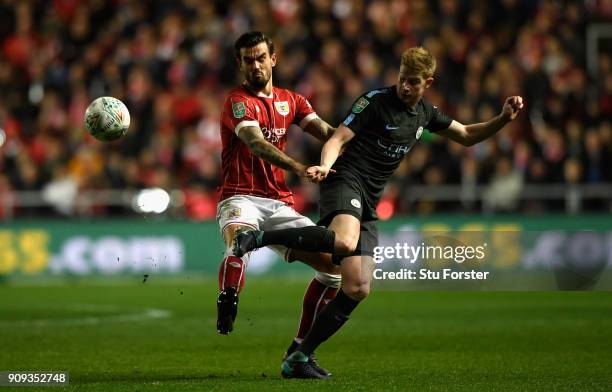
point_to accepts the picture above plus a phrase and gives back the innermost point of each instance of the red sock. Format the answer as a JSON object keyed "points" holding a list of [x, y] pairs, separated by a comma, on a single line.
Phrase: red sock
{"points": [[231, 273], [316, 297]]}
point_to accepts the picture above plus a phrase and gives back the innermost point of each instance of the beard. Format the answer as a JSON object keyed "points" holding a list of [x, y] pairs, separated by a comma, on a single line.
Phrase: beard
{"points": [[258, 82]]}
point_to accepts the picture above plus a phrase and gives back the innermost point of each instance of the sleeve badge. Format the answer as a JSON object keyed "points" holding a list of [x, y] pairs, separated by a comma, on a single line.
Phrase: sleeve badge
{"points": [[360, 105], [239, 109]]}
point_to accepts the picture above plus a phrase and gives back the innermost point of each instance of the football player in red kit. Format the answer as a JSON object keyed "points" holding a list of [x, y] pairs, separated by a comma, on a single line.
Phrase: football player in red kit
{"points": [[254, 195]]}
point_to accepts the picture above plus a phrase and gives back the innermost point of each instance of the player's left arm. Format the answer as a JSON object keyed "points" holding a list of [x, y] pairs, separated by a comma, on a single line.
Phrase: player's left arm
{"points": [[329, 154], [319, 129], [475, 133]]}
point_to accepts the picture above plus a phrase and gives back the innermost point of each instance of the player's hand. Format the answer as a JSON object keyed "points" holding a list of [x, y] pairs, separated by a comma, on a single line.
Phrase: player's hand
{"points": [[512, 107], [317, 174], [300, 170]]}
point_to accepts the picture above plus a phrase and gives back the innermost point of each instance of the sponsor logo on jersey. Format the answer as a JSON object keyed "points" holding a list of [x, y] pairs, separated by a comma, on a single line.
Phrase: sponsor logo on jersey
{"points": [[419, 132], [355, 203], [394, 150], [360, 105], [239, 109], [390, 127], [282, 107], [273, 135]]}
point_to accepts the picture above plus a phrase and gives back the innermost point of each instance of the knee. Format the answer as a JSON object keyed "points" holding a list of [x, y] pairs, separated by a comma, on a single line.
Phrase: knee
{"points": [[357, 291], [346, 245], [230, 232]]}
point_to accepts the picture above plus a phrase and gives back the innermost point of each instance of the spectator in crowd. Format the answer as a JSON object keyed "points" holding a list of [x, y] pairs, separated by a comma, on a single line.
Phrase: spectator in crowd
{"points": [[168, 61], [502, 193]]}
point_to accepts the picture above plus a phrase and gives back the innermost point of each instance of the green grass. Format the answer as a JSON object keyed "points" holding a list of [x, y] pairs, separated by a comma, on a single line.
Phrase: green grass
{"points": [[418, 341]]}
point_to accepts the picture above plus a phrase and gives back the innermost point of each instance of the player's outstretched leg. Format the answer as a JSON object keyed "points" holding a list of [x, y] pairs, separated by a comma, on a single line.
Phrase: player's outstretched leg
{"points": [[320, 291], [309, 238], [356, 276], [231, 280], [328, 322]]}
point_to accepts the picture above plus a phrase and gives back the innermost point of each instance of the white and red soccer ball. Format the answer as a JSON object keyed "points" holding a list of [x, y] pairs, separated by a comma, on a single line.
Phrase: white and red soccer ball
{"points": [[107, 119]]}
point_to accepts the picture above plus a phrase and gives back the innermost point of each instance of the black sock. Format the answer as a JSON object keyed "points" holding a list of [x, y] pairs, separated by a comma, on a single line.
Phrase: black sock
{"points": [[292, 347], [328, 322], [310, 238]]}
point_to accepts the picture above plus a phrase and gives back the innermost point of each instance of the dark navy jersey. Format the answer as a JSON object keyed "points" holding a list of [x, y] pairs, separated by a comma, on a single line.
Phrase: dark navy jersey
{"points": [[385, 130]]}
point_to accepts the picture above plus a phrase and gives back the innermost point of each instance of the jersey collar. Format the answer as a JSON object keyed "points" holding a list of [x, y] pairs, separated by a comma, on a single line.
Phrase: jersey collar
{"points": [[259, 93], [262, 95]]}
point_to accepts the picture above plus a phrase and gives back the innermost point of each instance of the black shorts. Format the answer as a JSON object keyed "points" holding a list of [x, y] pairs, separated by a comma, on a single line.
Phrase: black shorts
{"points": [[344, 195]]}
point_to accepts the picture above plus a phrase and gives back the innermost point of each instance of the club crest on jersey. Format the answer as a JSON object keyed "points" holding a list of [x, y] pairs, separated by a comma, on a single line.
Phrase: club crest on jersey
{"points": [[360, 105], [239, 109], [282, 107], [419, 132]]}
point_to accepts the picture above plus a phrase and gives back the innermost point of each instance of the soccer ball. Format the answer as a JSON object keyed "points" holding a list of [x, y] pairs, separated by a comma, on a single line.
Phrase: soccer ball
{"points": [[107, 119]]}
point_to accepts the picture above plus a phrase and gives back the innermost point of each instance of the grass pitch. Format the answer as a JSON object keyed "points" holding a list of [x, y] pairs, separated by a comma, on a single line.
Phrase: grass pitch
{"points": [[160, 335]]}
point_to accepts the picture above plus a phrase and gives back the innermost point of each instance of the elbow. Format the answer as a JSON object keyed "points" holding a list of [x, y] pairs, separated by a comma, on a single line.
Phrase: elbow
{"points": [[329, 133], [464, 135], [467, 142]]}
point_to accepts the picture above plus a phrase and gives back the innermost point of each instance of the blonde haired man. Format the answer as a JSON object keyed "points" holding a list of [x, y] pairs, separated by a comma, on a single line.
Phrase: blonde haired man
{"points": [[378, 132]]}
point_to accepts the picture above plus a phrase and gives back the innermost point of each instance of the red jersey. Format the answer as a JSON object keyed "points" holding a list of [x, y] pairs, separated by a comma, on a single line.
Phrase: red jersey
{"points": [[242, 172]]}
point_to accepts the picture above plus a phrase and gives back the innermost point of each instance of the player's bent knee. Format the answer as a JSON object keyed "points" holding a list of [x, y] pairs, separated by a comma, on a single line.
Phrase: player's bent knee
{"points": [[358, 292], [230, 231], [345, 245]]}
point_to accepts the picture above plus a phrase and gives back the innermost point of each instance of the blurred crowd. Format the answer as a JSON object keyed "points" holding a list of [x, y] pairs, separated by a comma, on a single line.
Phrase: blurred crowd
{"points": [[171, 62]]}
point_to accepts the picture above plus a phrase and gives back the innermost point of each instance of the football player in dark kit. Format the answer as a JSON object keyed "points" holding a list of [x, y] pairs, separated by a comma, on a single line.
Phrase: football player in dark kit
{"points": [[378, 132]]}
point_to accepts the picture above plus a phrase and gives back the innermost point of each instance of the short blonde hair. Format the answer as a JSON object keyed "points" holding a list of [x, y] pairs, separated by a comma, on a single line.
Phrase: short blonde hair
{"points": [[419, 61]]}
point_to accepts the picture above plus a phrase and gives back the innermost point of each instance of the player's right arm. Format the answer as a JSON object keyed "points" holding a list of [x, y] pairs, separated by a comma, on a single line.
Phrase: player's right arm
{"points": [[260, 147], [329, 154]]}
